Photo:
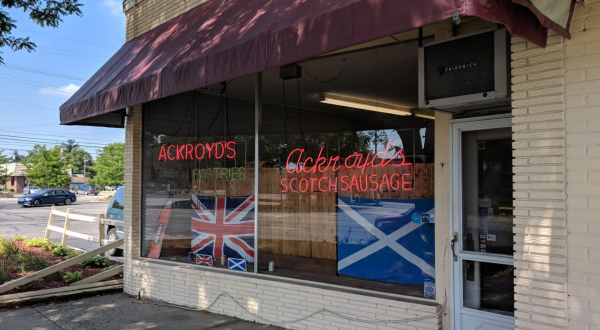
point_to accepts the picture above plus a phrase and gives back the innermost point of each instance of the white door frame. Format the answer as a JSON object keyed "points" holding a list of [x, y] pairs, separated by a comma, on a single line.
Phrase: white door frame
{"points": [[457, 127]]}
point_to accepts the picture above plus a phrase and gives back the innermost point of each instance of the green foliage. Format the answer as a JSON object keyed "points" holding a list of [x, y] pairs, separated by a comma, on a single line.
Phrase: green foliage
{"points": [[73, 277], [35, 242], [61, 251], [4, 174], [4, 277], [31, 262], [49, 246], [76, 159], [19, 238], [110, 267], [41, 12], [47, 167], [96, 262], [8, 248], [110, 166], [74, 254], [53, 277], [3, 158]]}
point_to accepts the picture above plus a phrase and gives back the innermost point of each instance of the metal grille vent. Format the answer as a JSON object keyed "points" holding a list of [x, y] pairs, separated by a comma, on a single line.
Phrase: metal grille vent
{"points": [[461, 67]]}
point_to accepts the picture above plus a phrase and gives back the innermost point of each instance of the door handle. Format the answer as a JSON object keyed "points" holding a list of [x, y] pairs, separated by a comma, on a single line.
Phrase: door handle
{"points": [[454, 239]]}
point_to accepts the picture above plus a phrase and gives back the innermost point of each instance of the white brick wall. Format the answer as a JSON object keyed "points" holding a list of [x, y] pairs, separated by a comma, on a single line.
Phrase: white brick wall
{"points": [[539, 184], [582, 64]]}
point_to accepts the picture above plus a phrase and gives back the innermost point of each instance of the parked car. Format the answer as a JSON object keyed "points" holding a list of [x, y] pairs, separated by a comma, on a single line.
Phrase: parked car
{"points": [[115, 212], [30, 190], [87, 189], [48, 196]]}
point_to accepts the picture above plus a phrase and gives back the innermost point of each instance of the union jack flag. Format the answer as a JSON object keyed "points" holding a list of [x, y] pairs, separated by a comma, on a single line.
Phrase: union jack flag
{"points": [[223, 226]]}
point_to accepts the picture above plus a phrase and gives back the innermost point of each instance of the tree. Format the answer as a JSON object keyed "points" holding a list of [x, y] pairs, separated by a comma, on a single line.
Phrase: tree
{"points": [[76, 159], [110, 166], [69, 146], [47, 167], [3, 158], [17, 158], [4, 175], [42, 12]]}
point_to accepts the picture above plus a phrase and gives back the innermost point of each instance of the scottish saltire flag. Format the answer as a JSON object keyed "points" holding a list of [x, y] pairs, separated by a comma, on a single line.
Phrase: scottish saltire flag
{"points": [[223, 226], [236, 264], [381, 242]]}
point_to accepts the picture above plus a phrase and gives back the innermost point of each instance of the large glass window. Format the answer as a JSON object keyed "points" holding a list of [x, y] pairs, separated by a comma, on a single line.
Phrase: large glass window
{"points": [[345, 189]]}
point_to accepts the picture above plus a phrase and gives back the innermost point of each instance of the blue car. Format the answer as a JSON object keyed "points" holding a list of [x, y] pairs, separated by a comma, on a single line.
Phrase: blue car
{"points": [[48, 196], [115, 212]]}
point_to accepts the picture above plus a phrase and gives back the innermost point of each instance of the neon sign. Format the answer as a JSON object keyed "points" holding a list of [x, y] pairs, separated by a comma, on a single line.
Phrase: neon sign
{"points": [[355, 182], [188, 151]]}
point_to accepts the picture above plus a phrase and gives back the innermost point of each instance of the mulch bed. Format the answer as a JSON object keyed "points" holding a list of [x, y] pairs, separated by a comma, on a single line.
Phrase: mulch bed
{"points": [[15, 272]]}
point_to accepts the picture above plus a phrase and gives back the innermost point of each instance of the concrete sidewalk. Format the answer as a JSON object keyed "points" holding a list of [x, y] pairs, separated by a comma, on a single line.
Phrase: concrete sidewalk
{"points": [[117, 311]]}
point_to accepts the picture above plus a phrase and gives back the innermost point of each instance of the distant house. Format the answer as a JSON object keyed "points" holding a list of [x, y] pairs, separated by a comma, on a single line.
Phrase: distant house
{"points": [[17, 180], [76, 179]]}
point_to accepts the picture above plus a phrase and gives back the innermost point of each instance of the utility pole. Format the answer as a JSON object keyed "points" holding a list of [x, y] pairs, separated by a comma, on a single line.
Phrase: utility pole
{"points": [[84, 164]]}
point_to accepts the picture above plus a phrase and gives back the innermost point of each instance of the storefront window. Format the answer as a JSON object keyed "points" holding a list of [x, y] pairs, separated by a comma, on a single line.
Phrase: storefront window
{"points": [[345, 192], [198, 178]]}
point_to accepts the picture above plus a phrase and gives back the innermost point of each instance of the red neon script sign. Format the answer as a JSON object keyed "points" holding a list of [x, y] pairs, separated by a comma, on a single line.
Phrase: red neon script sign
{"points": [[356, 182], [188, 151]]}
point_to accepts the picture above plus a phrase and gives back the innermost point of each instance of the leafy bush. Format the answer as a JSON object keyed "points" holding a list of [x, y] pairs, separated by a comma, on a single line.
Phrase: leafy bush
{"points": [[96, 262], [61, 251], [31, 262], [110, 267], [53, 277], [35, 242], [49, 246], [19, 238], [8, 247], [73, 277], [74, 254]]}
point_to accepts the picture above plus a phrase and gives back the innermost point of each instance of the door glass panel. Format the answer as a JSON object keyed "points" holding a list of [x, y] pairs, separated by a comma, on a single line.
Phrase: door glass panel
{"points": [[487, 191], [488, 287]]}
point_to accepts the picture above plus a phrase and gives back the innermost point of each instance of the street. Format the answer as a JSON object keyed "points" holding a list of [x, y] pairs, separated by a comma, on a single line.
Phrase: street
{"points": [[31, 221]]}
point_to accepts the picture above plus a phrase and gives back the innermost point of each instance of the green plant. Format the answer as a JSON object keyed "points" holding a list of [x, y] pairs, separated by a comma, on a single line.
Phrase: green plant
{"points": [[61, 251], [3, 273], [96, 262], [19, 238], [49, 246], [35, 242], [31, 262], [74, 254], [110, 267], [9, 247], [73, 277], [53, 277]]}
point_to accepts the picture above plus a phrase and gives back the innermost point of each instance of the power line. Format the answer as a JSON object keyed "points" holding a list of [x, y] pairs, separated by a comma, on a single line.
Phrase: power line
{"points": [[57, 36], [31, 105], [70, 137], [85, 58], [34, 139], [44, 87], [39, 71], [70, 51], [42, 141]]}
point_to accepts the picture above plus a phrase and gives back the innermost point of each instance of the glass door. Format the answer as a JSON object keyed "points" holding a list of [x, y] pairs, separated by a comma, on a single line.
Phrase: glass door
{"points": [[482, 222]]}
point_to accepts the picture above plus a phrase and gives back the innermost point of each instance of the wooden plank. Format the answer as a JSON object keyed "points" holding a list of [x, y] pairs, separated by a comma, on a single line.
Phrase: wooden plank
{"points": [[74, 290], [82, 217], [82, 236], [100, 276], [65, 236], [54, 228], [61, 213], [50, 222], [100, 228], [54, 268], [58, 290]]}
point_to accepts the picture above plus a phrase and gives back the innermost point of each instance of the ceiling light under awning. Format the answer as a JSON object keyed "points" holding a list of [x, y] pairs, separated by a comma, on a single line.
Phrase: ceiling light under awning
{"points": [[351, 102]]}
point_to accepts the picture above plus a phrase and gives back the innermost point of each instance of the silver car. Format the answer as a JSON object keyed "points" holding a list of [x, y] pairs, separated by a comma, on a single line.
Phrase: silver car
{"points": [[30, 190]]}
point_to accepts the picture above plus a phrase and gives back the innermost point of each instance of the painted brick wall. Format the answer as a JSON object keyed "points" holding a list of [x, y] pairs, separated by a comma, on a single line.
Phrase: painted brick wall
{"points": [[539, 184], [149, 14], [582, 64]]}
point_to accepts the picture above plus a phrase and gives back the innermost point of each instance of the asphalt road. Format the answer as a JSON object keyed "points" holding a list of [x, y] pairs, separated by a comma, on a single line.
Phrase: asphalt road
{"points": [[31, 221]]}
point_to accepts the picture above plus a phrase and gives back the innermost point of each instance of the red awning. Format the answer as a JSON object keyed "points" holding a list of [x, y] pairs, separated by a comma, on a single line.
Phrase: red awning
{"points": [[221, 40]]}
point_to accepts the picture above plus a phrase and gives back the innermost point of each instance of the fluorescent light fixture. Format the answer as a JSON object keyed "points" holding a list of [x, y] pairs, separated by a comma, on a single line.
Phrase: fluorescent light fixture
{"points": [[424, 115], [351, 102]]}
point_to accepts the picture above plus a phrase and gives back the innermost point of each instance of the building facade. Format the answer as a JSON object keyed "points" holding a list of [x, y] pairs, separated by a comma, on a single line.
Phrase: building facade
{"points": [[484, 218]]}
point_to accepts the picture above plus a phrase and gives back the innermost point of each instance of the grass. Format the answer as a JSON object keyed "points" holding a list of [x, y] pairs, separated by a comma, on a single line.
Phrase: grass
{"points": [[8, 248], [28, 262]]}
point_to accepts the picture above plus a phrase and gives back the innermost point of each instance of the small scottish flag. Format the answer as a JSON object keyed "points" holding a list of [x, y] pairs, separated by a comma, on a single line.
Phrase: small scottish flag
{"points": [[237, 264]]}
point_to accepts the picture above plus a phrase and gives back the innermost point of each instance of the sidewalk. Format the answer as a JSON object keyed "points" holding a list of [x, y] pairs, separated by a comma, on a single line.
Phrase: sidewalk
{"points": [[118, 311]]}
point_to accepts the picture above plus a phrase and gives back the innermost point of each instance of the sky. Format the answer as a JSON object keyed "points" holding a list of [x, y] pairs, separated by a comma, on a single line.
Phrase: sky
{"points": [[68, 56]]}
